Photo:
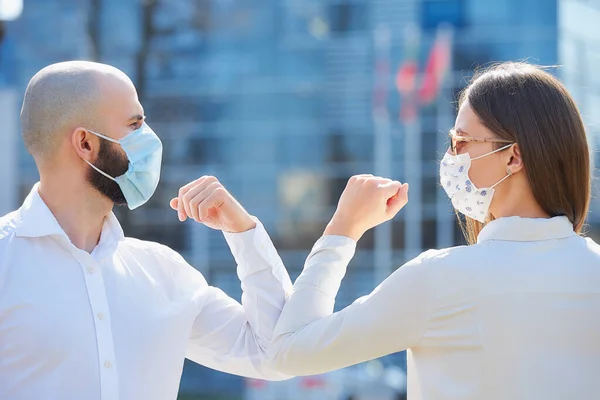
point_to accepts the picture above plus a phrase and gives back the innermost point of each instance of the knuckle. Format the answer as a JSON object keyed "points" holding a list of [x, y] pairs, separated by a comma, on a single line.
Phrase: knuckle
{"points": [[215, 186], [186, 197], [194, 202], [220, 191]]}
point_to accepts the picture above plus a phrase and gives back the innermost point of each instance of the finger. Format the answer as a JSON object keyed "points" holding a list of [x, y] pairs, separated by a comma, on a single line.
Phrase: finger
{"points": [[180, 205], [181, 212], [180, 208], [373, 180], [190, 202], [389, 189], [173, 203], [202, 181], [398, 201], [214, 200], [194, 203], [356, 178], [382, 182]]}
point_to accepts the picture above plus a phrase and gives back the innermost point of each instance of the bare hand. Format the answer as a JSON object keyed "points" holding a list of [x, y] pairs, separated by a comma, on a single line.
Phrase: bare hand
{"points": [[206, 201], [366, 202]]}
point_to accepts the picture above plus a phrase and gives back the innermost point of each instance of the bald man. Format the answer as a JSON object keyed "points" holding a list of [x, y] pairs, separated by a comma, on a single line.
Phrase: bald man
{"points": [[86, 313]]}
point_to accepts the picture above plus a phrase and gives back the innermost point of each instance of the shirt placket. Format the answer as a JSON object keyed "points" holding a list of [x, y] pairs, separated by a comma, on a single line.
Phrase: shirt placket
{"points": [[94, 282]]}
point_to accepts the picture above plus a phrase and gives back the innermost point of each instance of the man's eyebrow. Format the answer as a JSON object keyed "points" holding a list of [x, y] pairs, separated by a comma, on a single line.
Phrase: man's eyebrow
{"points": [[137, 117]]}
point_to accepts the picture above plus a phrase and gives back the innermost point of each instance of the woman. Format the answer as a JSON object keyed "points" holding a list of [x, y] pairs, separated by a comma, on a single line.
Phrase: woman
{"points": [[514, 315]]}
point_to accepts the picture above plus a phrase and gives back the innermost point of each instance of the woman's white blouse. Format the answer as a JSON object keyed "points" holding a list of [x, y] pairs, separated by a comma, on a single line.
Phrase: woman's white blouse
{"points": [[516, 316]]}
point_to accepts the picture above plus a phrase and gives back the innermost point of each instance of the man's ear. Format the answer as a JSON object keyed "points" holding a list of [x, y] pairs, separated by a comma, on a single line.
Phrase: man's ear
{"points": [[86, 144]]}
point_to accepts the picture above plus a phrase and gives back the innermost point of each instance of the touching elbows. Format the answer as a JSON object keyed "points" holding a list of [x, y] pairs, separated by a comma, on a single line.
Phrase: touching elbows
{"points": [[293, 360]]}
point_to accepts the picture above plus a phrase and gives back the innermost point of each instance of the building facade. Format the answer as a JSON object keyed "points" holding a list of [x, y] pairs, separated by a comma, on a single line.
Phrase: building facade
{"points": [[275, 98], [579, 57]]}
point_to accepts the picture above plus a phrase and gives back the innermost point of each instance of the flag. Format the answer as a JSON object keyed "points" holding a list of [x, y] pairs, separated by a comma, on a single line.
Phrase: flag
{"points": [[406, 82], [406, 76], [437, 66]]}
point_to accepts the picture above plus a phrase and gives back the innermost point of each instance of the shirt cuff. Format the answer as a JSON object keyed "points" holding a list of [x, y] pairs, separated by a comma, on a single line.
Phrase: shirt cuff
{"points": [[326, 265], [254, 251]]}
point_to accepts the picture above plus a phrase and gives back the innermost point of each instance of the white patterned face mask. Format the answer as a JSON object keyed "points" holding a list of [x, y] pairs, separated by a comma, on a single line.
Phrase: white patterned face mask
{"points": [[465, 197]]}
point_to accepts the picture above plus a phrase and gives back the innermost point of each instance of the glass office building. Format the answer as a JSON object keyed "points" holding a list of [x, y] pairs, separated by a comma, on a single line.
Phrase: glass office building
{"points": [[579, 56]]}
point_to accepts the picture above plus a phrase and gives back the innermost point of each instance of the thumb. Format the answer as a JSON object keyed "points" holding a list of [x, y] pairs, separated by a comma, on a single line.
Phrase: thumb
{"points": [[174, 203], [397, 201]]}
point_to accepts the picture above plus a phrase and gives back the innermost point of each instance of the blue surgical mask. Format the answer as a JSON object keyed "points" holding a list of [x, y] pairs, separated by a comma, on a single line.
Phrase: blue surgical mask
{"points": [[144, 152]]}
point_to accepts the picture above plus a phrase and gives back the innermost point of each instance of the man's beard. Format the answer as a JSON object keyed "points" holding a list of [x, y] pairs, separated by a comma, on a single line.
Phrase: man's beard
{"points": [[113, 163]]}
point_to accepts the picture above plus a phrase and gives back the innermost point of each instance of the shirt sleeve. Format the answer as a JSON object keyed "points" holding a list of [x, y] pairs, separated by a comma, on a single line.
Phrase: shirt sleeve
{"points": [[233, 337], [311, 339]]}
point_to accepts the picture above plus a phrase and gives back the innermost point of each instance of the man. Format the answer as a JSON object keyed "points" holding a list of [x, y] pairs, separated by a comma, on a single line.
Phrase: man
{"points": [[86, 313]]}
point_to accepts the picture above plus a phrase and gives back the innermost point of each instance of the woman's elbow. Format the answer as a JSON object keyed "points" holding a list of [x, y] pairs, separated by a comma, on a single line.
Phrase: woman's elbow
{"points": [[269, 373], [289, 360]]}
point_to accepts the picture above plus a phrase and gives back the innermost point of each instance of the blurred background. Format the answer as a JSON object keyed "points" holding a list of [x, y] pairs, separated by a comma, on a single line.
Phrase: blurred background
{"points": [[284, 100]]}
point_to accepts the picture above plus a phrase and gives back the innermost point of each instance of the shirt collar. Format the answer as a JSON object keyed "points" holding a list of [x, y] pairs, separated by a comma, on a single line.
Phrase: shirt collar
{"points": [[36, 220], [517, 229]]}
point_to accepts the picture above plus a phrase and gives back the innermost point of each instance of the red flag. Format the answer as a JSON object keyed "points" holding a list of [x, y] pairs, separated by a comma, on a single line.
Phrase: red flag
{"points": [[437, 66], [406, 82], [407, 74], [406, 77]]}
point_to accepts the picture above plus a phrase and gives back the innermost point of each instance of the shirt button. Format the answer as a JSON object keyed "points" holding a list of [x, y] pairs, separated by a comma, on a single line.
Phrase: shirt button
{"points": [[107, 364], [100, 315], [91, 270]]}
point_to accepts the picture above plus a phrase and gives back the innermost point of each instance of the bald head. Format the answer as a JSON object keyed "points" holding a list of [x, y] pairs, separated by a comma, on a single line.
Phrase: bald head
{"points": [[62, 97]]}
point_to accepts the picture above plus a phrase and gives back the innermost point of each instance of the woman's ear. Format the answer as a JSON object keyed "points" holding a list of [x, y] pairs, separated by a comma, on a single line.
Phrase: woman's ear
{"points": [[514, 163]]}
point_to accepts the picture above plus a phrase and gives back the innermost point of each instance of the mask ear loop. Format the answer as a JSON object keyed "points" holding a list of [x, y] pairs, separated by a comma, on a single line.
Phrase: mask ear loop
{"points": [[92, 165], [99, 170], [508, 175], [492, 152], [104, 137], [508, 171]]}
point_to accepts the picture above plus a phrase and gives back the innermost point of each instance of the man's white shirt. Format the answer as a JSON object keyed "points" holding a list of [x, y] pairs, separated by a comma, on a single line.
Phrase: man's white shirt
{"points": [[118, 323]]}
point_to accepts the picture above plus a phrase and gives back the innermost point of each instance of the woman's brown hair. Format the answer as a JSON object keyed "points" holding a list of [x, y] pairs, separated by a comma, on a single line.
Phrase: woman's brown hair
{"points": [[527, 105]]}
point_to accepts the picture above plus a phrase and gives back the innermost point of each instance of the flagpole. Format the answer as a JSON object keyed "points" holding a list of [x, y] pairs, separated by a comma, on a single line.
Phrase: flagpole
{"points": [[444, 121], [382, 147], [412, 169], [414, 177]]}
